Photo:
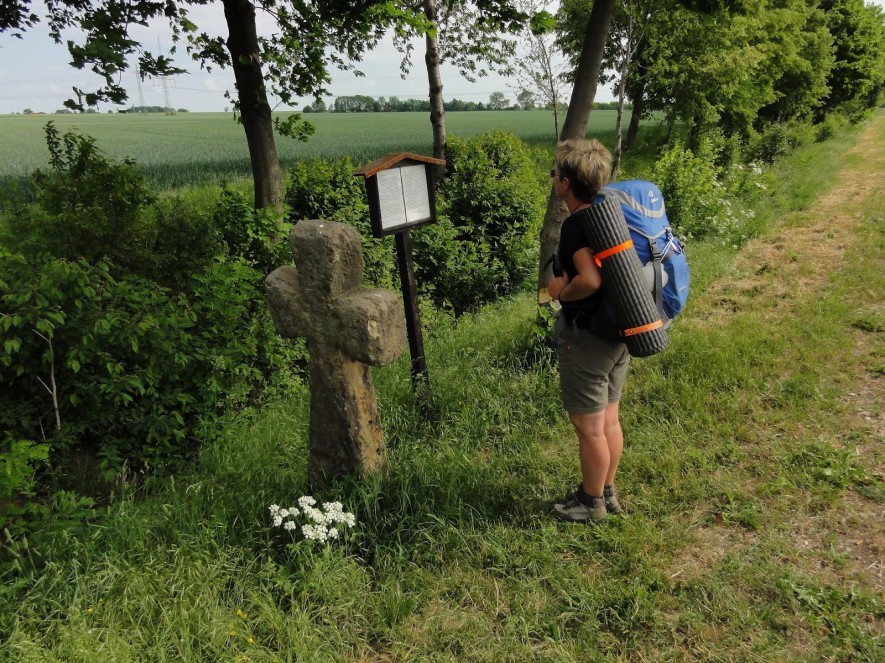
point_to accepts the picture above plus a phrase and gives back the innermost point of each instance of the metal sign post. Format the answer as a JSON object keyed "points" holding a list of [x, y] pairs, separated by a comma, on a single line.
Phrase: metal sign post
{"points": [[402, 195], [410, 304]]}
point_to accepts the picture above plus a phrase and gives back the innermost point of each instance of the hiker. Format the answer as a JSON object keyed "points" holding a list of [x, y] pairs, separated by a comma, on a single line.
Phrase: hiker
{"points": [[592, 364]]}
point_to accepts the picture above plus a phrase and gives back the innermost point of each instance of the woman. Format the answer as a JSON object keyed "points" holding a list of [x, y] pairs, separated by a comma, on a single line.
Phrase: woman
{"points": [[592, 363]]}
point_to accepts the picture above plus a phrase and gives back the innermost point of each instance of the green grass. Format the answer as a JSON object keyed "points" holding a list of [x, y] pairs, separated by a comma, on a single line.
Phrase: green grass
{"points": [[202, 148], [746, 474]]}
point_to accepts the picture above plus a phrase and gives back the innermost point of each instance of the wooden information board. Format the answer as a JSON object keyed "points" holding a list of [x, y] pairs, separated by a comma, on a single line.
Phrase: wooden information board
{"points": [[401, 193], [400, 190]]}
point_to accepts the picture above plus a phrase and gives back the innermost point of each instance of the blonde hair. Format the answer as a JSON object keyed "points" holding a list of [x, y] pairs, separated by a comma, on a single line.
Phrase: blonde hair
{"points": [[586, 163]]}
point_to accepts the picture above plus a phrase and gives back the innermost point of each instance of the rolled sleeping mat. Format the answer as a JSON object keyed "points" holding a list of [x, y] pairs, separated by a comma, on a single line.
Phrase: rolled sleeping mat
{"points": [[609, 239]]}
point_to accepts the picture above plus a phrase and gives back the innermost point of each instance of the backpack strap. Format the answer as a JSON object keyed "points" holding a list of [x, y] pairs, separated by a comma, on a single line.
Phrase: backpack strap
{"points": [[659, 279], [658, 259]]}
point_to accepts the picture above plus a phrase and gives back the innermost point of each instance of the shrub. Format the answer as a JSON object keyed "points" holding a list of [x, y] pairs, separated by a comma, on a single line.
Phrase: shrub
{"points": [[18, 459], [134, 361], [832, 125], [484, 243], [321, 189], [726, 150], [703, 200], [258, 236], [691, 189], [88, 206], [490, 212], [124, 366], [778, 140], [18, 462], [182, 238]]}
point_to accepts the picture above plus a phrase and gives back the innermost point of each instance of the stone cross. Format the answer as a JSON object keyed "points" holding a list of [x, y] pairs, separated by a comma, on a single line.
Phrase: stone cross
{"points": [[347, 327]]}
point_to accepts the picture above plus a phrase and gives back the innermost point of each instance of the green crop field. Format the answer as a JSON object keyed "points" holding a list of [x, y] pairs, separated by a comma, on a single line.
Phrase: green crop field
{"points": [[198, 148]]}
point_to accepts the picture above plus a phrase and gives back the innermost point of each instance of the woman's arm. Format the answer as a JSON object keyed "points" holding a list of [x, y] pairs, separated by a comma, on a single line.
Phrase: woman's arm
{"points": [[586, 281]]}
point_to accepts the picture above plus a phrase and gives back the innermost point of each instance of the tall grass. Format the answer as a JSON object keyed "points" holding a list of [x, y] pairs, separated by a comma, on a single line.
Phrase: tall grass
{"points": [[740, 449], [204, 148]]}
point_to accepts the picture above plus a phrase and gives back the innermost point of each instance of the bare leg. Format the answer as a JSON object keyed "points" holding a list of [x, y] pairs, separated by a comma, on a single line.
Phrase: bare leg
{"points": [[614, 438], [593, 450]]}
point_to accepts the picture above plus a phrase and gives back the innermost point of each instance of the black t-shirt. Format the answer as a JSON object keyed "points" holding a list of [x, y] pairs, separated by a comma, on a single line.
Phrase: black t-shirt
{"points": [[571, 240]]}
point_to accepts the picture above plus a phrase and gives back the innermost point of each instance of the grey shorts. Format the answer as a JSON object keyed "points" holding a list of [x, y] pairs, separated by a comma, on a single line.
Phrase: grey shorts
{"points": [[591, 370]]}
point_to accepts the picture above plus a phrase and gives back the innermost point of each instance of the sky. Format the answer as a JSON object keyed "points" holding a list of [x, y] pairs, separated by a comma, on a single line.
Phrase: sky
{"points": [[35, 74]]}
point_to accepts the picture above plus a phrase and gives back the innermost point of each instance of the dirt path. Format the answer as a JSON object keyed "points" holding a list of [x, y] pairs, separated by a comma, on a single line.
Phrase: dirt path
{"points": [[775, 277], [789, 265]]}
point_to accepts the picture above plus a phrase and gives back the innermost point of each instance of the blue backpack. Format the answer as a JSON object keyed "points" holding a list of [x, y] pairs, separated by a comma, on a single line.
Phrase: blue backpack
{"points": [[658, 248]]}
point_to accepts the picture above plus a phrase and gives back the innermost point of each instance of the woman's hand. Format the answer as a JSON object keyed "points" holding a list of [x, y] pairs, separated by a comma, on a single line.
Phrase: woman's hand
{"points": [[556, 284]]}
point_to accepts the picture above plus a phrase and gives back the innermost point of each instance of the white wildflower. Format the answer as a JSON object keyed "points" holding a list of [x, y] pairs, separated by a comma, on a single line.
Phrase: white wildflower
{"points": [[314, 532], [323, 523], [315, 515]]}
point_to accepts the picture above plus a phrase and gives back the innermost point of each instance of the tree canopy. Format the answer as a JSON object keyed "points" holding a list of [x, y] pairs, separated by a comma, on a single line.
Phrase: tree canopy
{"points": [[754, 64]]}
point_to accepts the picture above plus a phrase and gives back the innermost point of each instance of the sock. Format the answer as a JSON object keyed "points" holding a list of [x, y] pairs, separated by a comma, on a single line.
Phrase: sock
{"points": [[584, 498]]}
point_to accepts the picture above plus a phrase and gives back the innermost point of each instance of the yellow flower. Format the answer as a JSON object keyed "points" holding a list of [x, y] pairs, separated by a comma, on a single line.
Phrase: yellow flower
{"points": [[90, 610], [250, 639], [241, 614]]}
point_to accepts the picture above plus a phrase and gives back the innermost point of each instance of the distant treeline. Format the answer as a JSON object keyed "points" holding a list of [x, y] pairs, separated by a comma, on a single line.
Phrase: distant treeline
{"points": [[92, 111], [365, 104], [153, 109]]}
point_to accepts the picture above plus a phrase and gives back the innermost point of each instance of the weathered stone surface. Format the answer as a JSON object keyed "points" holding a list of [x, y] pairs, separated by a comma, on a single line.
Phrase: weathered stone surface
{"points": [[346, 327], [331, 254], [290, 315], [345, 428], [371, 326]]}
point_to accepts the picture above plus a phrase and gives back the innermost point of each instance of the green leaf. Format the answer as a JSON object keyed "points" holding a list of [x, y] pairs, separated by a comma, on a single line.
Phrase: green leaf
{"points": [[12, 345]]}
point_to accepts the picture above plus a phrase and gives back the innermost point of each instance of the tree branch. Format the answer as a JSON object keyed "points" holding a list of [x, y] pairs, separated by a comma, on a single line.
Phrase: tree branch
{"points": [[53, 390]]}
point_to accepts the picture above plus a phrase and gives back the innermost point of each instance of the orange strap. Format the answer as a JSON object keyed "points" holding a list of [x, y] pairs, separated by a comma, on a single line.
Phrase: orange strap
{"points": [[644, 328], [602, 255]]}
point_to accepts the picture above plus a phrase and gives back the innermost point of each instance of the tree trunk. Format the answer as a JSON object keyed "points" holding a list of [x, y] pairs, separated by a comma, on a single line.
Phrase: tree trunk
{"points": [[434, 78], [638, 104], [255, 115], [575, 124], [616, 154], [587, 73], [637, 95], [622, 89]]}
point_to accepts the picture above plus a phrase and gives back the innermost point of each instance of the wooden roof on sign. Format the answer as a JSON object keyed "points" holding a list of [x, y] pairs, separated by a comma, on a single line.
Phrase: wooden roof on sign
{"points": [[390, 160]]}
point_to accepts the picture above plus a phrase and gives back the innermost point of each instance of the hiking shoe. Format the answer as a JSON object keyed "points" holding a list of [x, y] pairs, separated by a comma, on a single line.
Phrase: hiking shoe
{"points": [[576, 511], [610, 495]]}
